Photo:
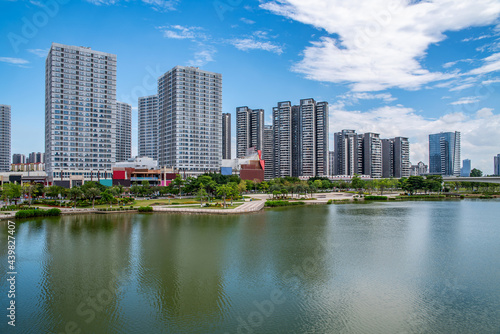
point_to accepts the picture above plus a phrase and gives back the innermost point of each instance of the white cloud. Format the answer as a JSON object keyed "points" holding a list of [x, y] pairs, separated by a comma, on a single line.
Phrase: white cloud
{"points": [[380, 44], [354, 97], [466, 100], [251, 43], [203, 56], [492, 64], [181, 32], [477, 130], [159, 5], [489, 82], [14, 61], [476, 38], [42, 53], [247, 21]]}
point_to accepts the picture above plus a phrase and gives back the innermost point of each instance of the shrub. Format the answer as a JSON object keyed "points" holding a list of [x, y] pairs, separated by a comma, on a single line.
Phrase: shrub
{"points": [[145, 209], [37, 213], [330, 201], [273, 204], [375, 198]]}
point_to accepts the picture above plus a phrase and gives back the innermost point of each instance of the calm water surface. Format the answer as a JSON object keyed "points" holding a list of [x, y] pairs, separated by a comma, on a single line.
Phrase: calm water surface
{"points": [[406, 267]]}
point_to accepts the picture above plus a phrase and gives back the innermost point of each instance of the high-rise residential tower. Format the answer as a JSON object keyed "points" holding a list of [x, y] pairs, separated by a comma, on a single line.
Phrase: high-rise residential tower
{"points": [[372, 155], [347, 153], [268, 154], [226, 136], [282, 127], [444, 153], [396, 157], [4, 138], [190, 112], [249, 130], [496, 165], [80, 110], [18, 158], [148, 126], [123, 131]]}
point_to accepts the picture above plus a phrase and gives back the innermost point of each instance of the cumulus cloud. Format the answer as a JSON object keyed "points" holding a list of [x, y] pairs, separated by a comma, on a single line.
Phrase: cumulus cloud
{"points": [[478, 130], [375, 45], [159, 5], [246, 44], [354, 97], [204, 55], [181, 32], [14, 61]]}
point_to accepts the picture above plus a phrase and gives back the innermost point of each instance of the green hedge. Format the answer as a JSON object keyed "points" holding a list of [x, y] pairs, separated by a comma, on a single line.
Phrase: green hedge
{"points": [[37, 213], [145, 209], [375, 198], [273, 204]]}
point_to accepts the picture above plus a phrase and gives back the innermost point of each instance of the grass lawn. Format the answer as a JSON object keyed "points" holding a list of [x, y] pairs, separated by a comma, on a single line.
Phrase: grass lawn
{"points": [[229, 206]]}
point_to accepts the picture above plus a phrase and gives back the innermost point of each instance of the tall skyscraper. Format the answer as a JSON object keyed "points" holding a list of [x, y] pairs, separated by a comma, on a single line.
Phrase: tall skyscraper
{"points": [[282, 126], [80, 110], [148, 113], [18, 158], [249, 130], [396, 157], [331, 163], [190, 111], [496, 165], [372, 155], [123, 131], [36, 157], [347, 153], [4, 138], [444, 153], [466, 168], [226, 136], [268, 154]]}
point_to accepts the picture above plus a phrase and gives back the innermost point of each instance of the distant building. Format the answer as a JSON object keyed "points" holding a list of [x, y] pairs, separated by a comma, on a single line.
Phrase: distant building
{"points": [[496, 169], [444, 153], [466, 168], [282, 126], [331, 163], [226, 136], [250, 167], [4, 138], [396, 157], [268, 153], [138, 162], [148, 126], [18, 158], [190, 112], [372, 155], [249, 130], [419, 169], [123, 131], [28, 167], [347, 153], [36, 157]]}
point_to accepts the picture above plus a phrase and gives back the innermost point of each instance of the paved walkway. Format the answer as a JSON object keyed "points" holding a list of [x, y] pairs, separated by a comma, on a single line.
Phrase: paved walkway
{"points": [[253, 206]]}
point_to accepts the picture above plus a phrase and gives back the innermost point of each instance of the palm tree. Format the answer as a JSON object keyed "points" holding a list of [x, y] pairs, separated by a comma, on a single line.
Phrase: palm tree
{"points": [[92, 193]]}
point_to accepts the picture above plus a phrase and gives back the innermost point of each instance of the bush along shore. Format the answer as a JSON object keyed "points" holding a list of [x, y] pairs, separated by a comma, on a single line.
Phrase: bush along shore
{"points": [[37, 213], [274, 204]]}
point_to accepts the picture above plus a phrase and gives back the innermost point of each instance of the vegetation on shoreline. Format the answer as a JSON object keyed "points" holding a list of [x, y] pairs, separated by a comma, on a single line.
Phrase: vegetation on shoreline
{"points": [[273, 204], [37, 213]]}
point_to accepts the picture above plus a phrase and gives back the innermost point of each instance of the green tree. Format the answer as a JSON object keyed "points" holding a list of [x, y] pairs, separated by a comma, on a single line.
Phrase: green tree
{"points": [[12, 192], [201, 194], [222, 191], [75, 193], [242, 186], [107, 196], [383, 184], [264, 186], [413, 184], [178, 182], [476, 173], [357, 182], [28, 189], [92, 193]]}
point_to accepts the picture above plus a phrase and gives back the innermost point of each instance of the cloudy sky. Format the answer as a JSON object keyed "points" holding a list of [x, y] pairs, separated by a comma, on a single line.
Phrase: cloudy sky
{"points": [[399, 68]]}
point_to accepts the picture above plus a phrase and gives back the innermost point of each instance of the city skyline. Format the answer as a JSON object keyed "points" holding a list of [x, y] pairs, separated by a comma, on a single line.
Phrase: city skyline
{"points": [[445, 80]]}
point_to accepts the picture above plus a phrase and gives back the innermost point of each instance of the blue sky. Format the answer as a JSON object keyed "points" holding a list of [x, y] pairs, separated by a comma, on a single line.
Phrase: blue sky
{"points": [[400, 68]]}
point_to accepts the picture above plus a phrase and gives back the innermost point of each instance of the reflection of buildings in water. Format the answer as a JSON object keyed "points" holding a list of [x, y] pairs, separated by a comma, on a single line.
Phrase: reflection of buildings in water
{"points": [[182, 263], [84, 257]]}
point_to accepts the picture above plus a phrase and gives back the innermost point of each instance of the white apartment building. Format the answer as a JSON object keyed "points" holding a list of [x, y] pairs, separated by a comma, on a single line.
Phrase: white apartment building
{"points": [[190, 112], [148, 126], [123, 131], [80, 111], [4, 138]]}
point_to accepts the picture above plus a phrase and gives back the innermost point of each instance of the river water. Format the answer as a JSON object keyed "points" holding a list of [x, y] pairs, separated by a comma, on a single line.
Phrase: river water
{"points": [[392, 267]]}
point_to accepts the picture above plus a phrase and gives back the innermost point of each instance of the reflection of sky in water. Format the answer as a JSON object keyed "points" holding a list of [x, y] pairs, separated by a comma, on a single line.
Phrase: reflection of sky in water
{"points": [[404, 267]]}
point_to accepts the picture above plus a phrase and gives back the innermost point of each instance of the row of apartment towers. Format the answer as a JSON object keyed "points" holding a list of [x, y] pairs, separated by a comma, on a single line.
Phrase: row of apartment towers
{"points": [[182, 126]]}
